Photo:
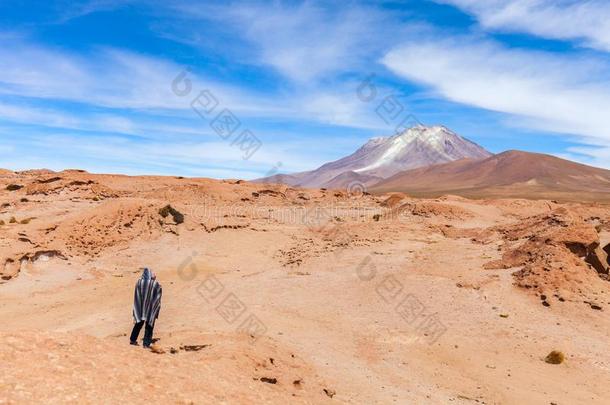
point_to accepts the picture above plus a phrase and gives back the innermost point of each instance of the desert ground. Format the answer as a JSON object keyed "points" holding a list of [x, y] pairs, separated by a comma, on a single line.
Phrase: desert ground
{"points": [[273, 294]]}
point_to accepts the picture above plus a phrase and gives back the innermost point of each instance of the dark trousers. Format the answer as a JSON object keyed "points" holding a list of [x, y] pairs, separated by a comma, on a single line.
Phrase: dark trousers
{"points": [[148, 333]]}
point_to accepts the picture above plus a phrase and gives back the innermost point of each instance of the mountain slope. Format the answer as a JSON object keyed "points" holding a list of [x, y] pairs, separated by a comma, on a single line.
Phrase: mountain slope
{"points": [[385, 156], [347, 180], [512, 173]]}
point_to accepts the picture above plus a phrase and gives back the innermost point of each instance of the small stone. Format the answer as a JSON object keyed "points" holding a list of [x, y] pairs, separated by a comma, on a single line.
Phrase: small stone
{"points": [[330, 393], [555, 357], [157, 349]]}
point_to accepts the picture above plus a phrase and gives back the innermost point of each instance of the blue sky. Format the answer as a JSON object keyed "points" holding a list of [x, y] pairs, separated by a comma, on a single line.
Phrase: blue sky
{"points": [[88, 84]]}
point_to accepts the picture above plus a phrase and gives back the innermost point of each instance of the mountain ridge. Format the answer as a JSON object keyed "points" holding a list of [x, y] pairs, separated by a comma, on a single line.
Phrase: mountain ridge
{"points": [[382, 157]]}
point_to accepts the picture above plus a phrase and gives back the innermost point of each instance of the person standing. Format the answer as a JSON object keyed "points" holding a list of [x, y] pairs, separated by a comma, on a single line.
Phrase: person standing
{"points": [[146, 307]]}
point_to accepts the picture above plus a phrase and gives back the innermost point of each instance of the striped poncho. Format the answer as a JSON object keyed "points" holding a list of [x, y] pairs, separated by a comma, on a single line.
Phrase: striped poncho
{"points": [[147, 299]]}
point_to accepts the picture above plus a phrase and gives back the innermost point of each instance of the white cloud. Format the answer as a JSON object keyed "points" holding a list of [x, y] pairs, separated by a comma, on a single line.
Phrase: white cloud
{"points": [[585, 21], [557, 93], [317, 50], [107, 122], [123, 92], [117, 79], [595, 156], [37, 116], [106, 77], [305, 42], [76, 9], [115, 153]]}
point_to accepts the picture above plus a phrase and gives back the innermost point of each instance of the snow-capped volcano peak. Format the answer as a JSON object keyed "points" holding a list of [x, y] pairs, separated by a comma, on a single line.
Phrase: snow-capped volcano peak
{"points": [[420, 146], [433, 135], [382, 157]]}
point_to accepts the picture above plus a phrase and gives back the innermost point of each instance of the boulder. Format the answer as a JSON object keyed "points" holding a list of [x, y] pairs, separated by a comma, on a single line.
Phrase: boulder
{"points": [[598, 258]]}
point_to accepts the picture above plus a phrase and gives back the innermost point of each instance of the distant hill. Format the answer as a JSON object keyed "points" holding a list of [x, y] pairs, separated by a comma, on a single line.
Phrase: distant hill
{"points": [[508, 174]]}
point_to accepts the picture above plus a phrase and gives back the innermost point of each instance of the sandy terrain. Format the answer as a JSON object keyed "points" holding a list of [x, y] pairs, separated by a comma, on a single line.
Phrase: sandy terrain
{"points": [[279, 295]]}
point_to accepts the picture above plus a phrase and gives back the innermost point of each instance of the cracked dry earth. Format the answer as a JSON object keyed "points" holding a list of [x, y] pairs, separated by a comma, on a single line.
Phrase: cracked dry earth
{"points": [[276, 295]]}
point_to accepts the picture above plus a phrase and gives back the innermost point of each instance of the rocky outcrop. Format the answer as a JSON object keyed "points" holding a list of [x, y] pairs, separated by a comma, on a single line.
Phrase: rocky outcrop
{"points": [[598, 258], [558, 250], [12, 266]]}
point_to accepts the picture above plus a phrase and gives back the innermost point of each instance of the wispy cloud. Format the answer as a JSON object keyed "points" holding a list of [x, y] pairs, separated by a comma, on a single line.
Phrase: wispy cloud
{"points": [[74, 9], [117, 93], [587, 22], [594, 155], [145, 126], [304, 41], [188, 156], [105, 77], [545, 91], [117, 79], [289, 71]]}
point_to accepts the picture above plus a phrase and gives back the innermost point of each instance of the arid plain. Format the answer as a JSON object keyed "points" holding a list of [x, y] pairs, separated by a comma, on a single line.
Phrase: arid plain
{"points": [[273, 294]]}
